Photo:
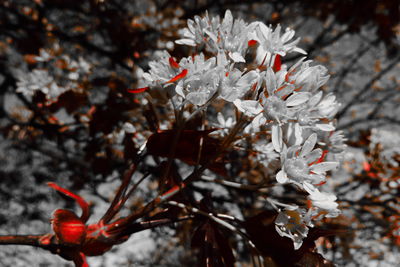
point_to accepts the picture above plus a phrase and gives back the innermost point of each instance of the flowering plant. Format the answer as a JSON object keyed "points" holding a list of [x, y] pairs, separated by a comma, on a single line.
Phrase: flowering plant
{"points": [[235, 96]]}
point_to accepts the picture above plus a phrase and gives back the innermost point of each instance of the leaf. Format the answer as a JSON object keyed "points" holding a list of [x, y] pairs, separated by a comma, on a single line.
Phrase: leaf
{"points": [[187, 148], [70, 100], [214, 248]]}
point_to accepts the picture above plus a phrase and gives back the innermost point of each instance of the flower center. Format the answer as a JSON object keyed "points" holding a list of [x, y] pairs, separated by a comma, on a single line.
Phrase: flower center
{"points": [[275, 108], [297, 168]]}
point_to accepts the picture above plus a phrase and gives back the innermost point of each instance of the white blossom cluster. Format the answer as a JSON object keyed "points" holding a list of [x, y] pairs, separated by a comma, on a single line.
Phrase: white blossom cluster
{"points": [[53, 75], [243, 66]]}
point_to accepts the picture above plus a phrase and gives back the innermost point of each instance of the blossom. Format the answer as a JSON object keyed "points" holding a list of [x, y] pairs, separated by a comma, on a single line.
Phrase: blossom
{"points": [[271, 42], [162, 71], [235, 84], [307, 78], [299, 164], [293, 223], [230, 35], [38, 80], [322, 200]]}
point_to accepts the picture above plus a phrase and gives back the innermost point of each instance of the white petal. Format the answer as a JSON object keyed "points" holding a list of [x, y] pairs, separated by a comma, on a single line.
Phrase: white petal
{"points": [[317, 178], [308, 144], [313, 155], [265, 30], [325, 127], [227, 22], [322, 167], [270, 81], [236, 57], [300, 50], [298, 134], [249, 107], [315, 99], [186, 42], [147, 77], [179, 90], [277, 137], [211, 34], [281, 177], [198, 98], [309, 188], [297, 99], [287, 35], [191, 26]]}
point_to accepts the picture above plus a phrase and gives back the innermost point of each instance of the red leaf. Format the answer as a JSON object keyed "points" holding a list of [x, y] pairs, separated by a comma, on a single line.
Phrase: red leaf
{"points": [[138, 90]]}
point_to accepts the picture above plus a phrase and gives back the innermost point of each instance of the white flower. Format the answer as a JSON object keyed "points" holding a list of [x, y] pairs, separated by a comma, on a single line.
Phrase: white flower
{"points": [[300, 164], [322, 200], [316, 110], [272, 43], [277, 106], [292, 223], [228, 35], [307, 78], [38, 80], [234, 84]]}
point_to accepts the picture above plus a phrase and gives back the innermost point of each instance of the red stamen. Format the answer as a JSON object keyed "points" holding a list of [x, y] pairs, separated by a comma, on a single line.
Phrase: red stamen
{"points": [[138, 90], [277, 63], [173, 63], [179, 76]]}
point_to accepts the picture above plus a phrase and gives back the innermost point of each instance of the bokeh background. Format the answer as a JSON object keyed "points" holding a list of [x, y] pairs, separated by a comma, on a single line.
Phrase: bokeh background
{"points": [[64, 70]]}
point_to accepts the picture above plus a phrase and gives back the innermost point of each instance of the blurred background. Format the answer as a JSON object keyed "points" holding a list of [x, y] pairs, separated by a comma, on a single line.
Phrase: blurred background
{"points": [[64, 70]]}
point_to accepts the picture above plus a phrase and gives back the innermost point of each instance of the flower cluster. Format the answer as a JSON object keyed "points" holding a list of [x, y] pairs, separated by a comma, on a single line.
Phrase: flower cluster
{"points": [[244, 68]]}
